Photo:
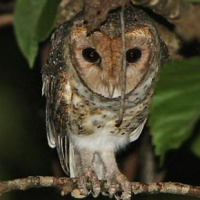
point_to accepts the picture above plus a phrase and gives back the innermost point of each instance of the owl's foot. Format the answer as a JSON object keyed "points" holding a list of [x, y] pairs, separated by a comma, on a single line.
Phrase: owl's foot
{"points": [[119, 180], [89, 177], [125, 185]]}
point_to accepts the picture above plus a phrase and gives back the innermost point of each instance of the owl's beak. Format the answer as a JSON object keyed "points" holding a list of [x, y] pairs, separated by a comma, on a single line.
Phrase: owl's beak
{"points": [[111, 90]]}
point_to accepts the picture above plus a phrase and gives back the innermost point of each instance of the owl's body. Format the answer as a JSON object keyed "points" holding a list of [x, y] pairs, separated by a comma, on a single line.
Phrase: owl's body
{"points": [[83, 89]]}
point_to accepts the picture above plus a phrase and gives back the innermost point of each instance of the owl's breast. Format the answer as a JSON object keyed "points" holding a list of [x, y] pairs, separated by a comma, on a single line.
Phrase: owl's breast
{"points": [[92, 125], [87, 119]]}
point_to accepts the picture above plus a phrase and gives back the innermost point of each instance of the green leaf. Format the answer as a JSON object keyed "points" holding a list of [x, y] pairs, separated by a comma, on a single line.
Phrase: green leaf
{"points": [[47, 18], [33, 21], [195, 147], [175, 106]]}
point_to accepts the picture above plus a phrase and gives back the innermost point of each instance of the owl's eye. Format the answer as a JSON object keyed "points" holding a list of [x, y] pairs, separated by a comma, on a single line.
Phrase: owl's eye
{"points": [[133, 55], [90, 55]]}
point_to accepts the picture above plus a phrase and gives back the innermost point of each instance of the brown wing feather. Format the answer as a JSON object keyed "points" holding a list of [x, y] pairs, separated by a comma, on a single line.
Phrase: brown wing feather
{"points": [[54, 77]]}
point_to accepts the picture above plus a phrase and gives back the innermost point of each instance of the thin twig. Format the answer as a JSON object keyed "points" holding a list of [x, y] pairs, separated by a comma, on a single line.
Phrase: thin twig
{"points": [[123, 69], [5, 20], [69, 185]]}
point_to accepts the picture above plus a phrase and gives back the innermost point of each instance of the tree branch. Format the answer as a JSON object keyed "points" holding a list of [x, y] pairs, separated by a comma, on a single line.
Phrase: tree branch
{"points": [[184, 15], [36, 182], [5, 20], [67, 185], [96, 11]]}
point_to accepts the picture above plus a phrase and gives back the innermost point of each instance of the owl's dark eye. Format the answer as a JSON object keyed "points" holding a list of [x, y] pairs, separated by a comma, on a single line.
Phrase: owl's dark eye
{"points": [[90, 55], [133, 55]]}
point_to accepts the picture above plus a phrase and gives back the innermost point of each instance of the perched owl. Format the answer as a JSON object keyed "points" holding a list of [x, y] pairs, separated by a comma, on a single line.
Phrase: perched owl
{"points": [[82, 85]]}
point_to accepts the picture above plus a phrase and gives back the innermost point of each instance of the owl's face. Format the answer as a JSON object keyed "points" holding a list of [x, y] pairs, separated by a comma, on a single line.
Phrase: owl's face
{"points": [[98, 57]]}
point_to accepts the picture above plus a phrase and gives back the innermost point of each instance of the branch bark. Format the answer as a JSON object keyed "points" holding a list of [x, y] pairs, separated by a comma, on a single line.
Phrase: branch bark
{"points": [[96, 11], [184, 15], [5, 20], [67, 185]]}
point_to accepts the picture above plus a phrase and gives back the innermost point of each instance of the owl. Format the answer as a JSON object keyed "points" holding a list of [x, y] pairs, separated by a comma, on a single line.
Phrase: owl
{"points": [[83, 89]]}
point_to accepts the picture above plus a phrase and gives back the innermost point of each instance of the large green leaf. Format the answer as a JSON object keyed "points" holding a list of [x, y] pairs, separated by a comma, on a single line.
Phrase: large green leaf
{"points": [[33, 21], [175, 106]]}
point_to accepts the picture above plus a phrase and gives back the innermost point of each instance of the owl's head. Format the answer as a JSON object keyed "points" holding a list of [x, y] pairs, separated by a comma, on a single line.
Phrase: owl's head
{"points": [[97, 57]]}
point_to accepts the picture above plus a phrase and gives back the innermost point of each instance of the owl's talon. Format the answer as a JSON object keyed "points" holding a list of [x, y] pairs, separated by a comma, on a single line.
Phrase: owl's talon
{"points": [[95, 192], [96, 189], [112, 190], [118, 197], [112, 185], [126, 195], [89, 176], [121, 180], [82, 185], [126, 186]]}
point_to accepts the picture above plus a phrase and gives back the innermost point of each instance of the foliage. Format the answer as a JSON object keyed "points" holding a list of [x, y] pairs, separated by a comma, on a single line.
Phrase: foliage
{"points": [[175, 107], [33, 22]]}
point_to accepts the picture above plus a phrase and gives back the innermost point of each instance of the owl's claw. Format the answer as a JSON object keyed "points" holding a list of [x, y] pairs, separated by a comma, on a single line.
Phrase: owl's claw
{"points": [[125, 185], [96, 189], [82, 185], [89, 176], [112, 190], [126, 194], [122, 181]]}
